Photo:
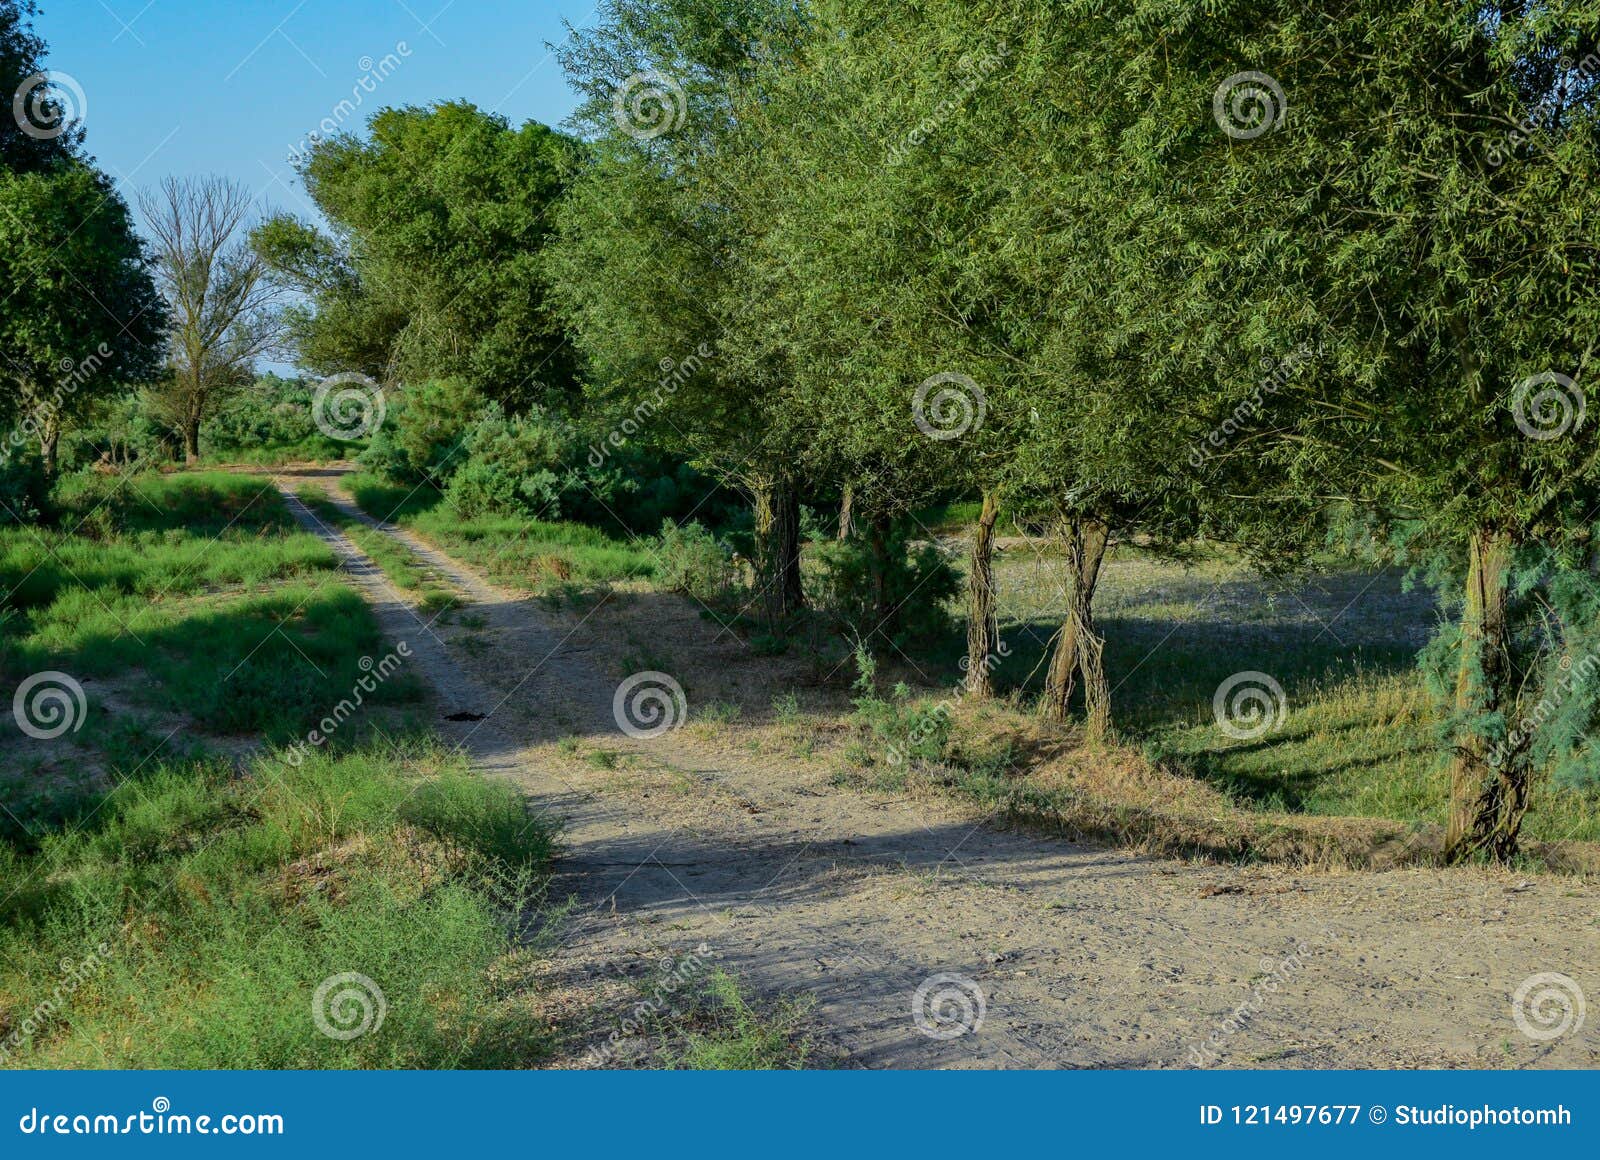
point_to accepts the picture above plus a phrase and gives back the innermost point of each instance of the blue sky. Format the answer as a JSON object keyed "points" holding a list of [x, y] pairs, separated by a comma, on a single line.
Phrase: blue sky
{"points": [[231, 86]]}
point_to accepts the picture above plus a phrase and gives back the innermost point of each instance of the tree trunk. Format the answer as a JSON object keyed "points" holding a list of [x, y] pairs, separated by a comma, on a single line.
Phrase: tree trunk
{"points": [[49, 440], [1091, 645], [191, 442], [777, 516], [878, 537], [1079, 648], [983, 626], [1488, 794], [847, 518]]}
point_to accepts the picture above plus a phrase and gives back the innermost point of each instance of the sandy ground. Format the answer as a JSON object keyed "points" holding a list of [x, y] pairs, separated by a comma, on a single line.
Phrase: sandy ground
{"points": [[903, 917]]}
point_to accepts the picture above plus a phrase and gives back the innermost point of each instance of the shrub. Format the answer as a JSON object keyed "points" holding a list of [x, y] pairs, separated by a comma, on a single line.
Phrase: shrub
{"points": [[882, 590], [693, 560]]}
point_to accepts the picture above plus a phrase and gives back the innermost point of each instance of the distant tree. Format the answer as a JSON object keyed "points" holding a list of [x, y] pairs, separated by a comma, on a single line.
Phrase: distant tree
{"points": [[223, 308], [82, 317], [438, 217]]}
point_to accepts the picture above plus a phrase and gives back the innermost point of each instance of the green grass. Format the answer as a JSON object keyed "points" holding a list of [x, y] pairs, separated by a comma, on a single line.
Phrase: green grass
{"points": [[722, 1030], [315, 449], [200, 911], [195, 616], [1360, 738], [394, 560], [531, 554]]}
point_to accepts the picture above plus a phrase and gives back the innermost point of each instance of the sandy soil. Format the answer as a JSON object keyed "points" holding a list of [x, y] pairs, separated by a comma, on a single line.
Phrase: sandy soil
{"points": [[1074, 956]]}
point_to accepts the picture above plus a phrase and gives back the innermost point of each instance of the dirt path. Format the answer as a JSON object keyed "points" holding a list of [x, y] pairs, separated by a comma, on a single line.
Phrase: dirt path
{"points": [[1079, 956]]}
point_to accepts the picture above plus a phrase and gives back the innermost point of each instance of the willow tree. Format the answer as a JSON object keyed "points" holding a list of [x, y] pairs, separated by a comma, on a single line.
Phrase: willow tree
{"points": [[1407, 192], [650, 242]]}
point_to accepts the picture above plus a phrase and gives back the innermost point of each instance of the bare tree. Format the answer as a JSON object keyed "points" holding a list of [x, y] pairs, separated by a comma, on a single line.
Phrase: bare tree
{"points": [[223, 307]]}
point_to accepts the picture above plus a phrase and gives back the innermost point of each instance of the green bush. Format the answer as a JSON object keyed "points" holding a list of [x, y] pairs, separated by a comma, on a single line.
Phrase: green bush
{"points": [[882, 590], [693, 560]]}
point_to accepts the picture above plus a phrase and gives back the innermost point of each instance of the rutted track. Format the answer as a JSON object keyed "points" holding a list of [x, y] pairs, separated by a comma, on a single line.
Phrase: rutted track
{"points": [[1084, 956]]}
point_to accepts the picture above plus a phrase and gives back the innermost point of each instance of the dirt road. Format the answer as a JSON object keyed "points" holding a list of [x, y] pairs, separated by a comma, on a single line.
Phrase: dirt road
{"points": [[930, 938]]}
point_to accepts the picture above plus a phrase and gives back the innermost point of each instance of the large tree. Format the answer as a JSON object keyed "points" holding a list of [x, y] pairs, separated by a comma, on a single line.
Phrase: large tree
{"points": [[1407, 191], [82, 317], [438, 217], [653, 239]]}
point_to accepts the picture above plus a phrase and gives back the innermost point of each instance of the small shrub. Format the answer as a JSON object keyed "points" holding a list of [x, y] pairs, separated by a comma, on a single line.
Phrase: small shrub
{"points": [[693, 560], [884, 590]]}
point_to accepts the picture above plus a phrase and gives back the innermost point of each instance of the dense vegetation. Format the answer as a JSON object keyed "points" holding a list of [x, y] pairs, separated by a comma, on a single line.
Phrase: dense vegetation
{"points": [[1299, 282]]}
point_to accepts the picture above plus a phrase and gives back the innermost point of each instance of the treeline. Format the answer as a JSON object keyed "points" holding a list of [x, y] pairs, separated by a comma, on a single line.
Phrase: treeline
{"points": [[1257, 273]]}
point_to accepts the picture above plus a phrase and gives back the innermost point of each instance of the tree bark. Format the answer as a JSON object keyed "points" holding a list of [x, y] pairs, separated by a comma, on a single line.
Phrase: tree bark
{"points": [[1488, 791], [191, 441], [983, 626], [777, 518], [1080, 650], [847, 518], [49, 440], [878, 537]]}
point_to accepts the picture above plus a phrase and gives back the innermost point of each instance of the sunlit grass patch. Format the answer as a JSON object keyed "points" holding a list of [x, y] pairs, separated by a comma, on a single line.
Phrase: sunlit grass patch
{"points": [[535, 555], [202, 911]]}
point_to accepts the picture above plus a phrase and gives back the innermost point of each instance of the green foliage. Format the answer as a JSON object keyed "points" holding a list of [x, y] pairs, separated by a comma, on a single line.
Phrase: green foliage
{"points": [[66, 236], [691, 559], [254, 889], [896, 729], [885, 590], [439, 216]]}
